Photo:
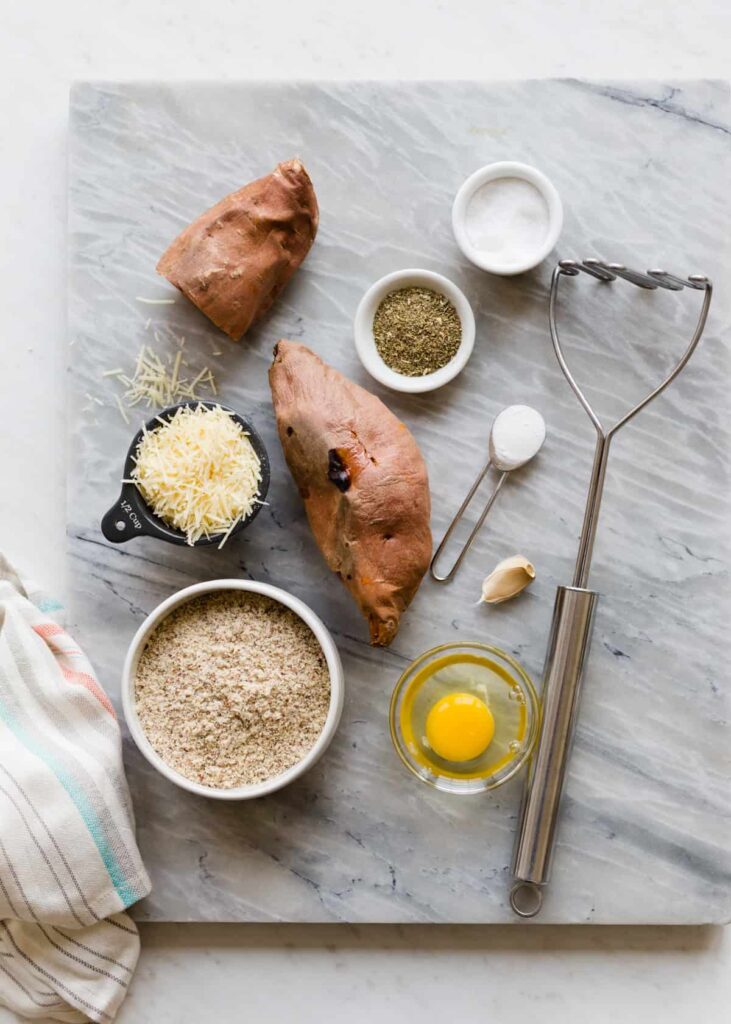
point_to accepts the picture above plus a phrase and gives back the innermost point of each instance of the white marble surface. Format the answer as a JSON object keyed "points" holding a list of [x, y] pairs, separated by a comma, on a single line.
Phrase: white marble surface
{"points": [[647, 820], [187, 973]]}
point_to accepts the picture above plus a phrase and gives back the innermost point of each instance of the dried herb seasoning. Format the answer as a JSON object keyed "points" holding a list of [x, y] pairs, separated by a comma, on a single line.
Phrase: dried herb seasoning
{"points": [[416, 331]]}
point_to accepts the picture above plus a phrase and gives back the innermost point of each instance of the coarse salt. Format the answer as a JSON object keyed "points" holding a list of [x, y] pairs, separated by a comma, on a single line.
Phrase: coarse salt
{"points": [[507, 218]]}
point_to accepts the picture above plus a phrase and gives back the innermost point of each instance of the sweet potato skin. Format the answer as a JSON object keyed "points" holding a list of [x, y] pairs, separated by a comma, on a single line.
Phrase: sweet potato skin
{"points": [[234, 259], [363, 481]]}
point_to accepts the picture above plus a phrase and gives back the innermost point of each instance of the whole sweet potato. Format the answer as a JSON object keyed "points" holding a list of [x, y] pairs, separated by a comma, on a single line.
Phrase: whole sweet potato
{"points": [[363, 481], [235, 258]]}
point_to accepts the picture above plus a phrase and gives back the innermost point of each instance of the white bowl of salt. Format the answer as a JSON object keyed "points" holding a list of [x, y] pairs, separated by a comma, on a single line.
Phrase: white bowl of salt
{"points": [[507, 217]]}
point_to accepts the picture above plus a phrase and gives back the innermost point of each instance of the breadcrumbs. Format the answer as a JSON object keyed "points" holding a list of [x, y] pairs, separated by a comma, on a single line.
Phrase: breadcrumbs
{"points": [[232, 688]]}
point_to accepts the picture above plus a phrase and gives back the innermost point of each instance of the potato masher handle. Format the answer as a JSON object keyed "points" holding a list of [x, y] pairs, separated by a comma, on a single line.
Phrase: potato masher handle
{"points": [[573, 616]]}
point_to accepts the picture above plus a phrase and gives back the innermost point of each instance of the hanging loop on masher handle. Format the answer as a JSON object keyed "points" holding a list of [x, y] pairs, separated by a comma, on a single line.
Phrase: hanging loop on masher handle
{"points": [[653, 279]]}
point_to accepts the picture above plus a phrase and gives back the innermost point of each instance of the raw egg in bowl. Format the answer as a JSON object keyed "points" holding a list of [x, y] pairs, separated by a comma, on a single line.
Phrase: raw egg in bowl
{"points": [[464, 717]]}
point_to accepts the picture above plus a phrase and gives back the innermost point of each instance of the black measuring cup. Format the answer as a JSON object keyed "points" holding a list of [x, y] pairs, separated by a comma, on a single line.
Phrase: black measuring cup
{"points": [[130, 516]]}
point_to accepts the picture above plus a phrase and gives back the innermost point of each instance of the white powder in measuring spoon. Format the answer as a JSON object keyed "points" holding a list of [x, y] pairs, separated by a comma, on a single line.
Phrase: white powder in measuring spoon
{"points": [[517, 435], [507, 218]]}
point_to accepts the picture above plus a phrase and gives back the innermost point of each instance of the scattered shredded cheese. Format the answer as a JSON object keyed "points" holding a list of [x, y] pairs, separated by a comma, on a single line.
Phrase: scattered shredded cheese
{"points": [[155, 302], [155, 383], [198, 472], [122, 409]]}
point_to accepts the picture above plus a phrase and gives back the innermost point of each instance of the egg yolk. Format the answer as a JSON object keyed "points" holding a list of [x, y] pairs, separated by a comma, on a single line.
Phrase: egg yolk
{"points": [[459, 727]]}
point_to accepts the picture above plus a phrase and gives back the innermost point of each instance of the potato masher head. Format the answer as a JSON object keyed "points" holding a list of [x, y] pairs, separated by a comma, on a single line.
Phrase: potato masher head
{"points": [[574, 608], [608, 272]]}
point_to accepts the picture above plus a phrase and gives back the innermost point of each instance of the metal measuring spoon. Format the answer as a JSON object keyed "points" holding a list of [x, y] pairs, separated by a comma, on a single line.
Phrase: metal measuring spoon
{"points": [[516, 436]]}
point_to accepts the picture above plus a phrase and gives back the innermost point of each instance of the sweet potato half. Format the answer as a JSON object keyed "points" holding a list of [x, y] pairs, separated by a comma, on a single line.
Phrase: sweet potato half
{"points": [[363, 481], [234, 259]]}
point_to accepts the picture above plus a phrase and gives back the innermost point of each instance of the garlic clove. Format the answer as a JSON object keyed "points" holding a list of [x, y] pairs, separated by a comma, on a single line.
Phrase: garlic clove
{"points": [[507, 579]]}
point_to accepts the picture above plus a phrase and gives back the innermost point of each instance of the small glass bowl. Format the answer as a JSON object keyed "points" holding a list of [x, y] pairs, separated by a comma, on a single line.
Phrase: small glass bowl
{"points": [[495, 668]]}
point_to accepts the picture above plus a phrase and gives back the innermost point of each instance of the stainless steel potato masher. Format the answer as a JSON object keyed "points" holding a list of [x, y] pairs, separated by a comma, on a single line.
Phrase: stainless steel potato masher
{"points": [[574, 607]]}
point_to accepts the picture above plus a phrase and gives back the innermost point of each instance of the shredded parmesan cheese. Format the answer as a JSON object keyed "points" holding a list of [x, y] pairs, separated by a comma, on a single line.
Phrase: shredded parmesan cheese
{"points": [[198, 472], [122, 409], [156, 384]]}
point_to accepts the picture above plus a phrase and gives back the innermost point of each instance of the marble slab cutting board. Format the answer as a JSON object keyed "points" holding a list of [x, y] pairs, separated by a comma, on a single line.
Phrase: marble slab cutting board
{"points": [[643, 169]]}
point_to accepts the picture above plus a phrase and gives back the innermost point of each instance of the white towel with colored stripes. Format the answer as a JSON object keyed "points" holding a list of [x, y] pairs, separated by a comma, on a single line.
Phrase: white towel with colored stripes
{"points": [[69, 862]]}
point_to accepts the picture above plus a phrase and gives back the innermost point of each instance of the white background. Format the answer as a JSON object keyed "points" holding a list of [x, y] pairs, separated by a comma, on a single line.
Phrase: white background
{"points": [[316, 974]]}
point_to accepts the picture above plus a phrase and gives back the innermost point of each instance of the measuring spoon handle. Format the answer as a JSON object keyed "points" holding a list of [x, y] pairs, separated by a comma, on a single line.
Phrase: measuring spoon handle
{"points": [[456, 520]]}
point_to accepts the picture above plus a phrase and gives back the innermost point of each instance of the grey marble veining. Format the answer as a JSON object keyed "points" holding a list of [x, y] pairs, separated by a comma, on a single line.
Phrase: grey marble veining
{"points": [[643, 170]]}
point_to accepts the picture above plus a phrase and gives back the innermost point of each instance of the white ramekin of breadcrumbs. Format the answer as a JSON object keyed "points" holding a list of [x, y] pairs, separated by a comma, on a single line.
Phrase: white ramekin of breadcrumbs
{"points": [[232, 689]]}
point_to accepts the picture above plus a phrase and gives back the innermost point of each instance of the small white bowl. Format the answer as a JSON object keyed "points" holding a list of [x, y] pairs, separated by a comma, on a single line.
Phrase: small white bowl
{"points": [[365, 344], [507, 169], [332, 658]]}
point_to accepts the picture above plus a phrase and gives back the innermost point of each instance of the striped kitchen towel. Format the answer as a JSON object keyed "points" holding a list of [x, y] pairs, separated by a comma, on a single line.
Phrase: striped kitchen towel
{"points": [[69, 863]]}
